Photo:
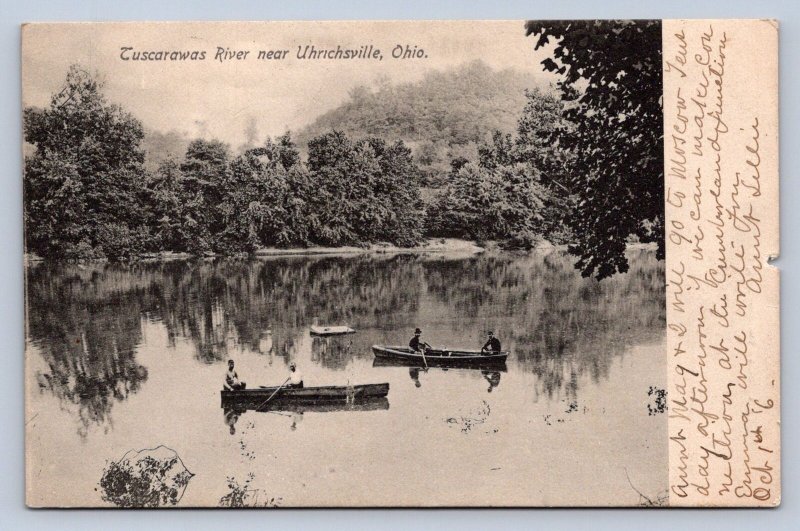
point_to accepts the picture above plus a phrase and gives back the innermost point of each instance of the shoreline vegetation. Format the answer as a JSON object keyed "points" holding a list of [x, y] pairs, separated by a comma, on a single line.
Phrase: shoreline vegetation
{"points": [[432, 245], [441, 246], [394, 169]]}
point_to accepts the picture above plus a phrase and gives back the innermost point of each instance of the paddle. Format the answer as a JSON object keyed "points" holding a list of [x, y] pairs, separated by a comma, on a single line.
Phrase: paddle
{"points": [[264, 403], [426, 346]]}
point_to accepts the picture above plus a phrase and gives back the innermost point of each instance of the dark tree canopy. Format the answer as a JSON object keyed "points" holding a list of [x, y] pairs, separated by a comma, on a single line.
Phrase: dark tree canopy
{"points": [[89, 194], [366, 191], [610, 84], [513, 192], [582, 166], [500, 197], [82, 181]]}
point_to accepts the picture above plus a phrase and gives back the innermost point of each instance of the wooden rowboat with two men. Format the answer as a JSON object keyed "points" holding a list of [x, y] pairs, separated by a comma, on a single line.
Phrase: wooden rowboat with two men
{"points": [[324, 398], [440, 357]]}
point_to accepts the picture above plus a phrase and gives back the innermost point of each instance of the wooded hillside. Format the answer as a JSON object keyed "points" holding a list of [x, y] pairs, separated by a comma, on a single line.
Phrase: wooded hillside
{"points": [[445, 115]]}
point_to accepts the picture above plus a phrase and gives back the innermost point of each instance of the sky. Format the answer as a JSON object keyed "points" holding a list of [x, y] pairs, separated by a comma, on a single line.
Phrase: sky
{"points": [[222, 98]]}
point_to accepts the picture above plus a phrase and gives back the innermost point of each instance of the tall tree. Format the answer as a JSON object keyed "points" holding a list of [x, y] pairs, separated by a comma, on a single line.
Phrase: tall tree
{"points": [[83, 181], [498, 198], [205, 169], [362, 191], [397, 191], [538, 146], [610, 84], [343, 173], [264, 201], [172, 220]]}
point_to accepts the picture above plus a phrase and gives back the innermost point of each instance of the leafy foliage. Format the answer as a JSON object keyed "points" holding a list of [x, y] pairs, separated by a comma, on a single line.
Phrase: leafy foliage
{"points": [[611, 88], [82, 181], [88, 195], [148, 478], [265, 199], [242, 495], [498, 198], [364, 191], [582, 165], [513, 193]]}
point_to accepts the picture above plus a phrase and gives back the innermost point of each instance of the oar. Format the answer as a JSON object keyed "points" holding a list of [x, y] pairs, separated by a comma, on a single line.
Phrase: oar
{"points": [[264, 403], [423, 356], [278, 413]]}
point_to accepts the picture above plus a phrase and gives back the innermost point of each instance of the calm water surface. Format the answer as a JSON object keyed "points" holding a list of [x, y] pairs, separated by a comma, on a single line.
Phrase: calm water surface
{"points": [[130, 357]]}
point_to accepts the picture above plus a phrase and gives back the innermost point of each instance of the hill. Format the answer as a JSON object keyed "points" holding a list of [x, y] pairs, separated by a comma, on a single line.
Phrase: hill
{"points": [[445, 115]]}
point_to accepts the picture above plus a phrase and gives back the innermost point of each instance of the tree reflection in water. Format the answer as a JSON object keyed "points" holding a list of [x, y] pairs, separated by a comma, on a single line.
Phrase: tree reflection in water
{"points": [[558, 325], [332, 352], [87, 320]]}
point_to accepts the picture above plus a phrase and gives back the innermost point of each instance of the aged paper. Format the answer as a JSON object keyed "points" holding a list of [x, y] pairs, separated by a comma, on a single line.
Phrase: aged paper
{"points": [[721, 153], [401, 264]]}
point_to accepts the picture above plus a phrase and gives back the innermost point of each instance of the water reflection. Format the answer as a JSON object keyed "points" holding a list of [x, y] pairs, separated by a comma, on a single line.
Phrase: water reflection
{"points": [[296, 411], [441, 364], [231, 417], [332, 352], [414, 373], [86, 322], [88, 327], [493, 377]]}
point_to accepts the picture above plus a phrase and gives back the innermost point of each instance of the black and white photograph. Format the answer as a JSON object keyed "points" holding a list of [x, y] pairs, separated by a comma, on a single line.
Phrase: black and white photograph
{"points": [[368, 264]]}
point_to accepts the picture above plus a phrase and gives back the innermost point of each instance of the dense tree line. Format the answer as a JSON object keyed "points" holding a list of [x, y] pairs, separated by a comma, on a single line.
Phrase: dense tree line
{"points": [[512, 192], [582, 165], [89, 195]]}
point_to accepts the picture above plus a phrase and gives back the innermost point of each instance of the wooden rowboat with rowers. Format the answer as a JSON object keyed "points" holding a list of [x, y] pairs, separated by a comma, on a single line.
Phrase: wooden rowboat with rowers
{"points": [[293, 397], [440, 357]]}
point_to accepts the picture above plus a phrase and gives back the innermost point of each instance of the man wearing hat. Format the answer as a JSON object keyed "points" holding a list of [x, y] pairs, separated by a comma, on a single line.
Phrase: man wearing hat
{"points": [[492, 344], [415, 344], [295, 378]]}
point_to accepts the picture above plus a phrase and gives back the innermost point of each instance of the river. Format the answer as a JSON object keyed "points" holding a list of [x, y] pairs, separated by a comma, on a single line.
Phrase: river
{"points": [[128, 357]]}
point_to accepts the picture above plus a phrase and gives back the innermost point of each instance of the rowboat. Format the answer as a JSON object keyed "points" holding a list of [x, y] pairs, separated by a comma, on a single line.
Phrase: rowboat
{"points": [[440, 357], [331, 330], [262, 397]]}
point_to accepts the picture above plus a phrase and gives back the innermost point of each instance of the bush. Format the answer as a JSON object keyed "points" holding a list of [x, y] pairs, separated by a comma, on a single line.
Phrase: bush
{"points": [[118, 242]]}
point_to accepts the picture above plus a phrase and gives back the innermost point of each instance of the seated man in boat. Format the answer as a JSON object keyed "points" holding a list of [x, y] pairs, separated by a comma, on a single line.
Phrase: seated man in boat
{"points": [[295, 378], [415, 344], [232, 382], [492, 344]]}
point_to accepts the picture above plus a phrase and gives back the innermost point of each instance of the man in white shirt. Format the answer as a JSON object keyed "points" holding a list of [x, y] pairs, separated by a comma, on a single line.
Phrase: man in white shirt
{"points": [[232, 382], [295, 377]]}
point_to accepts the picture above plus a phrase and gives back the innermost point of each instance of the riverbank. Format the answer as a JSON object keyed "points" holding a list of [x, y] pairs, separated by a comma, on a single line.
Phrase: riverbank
{"points": [[433, 245], [449, 246]]}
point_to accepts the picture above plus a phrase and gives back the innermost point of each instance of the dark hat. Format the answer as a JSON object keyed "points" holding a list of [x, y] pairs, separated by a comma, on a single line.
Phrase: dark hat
{"points": [[489, 333], [417, 331]]}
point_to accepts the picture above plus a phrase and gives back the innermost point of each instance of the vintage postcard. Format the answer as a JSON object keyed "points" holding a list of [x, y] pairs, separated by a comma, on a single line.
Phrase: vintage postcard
{"points": [[401, 263]]}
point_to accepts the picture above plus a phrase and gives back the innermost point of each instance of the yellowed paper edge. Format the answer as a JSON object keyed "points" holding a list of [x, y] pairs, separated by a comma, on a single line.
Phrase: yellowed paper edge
{"points": [[721, 200]]}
